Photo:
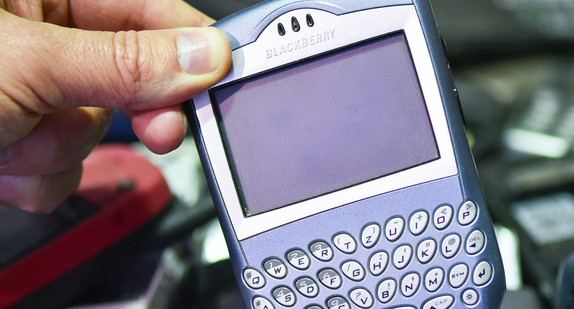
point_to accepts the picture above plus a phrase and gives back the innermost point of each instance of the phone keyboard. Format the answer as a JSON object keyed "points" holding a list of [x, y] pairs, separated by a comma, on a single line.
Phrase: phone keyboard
{"points": [[400, 256]]}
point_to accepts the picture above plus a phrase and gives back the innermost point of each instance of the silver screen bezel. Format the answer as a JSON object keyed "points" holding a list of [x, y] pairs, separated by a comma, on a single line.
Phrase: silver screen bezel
{"points": [[347, 29]]}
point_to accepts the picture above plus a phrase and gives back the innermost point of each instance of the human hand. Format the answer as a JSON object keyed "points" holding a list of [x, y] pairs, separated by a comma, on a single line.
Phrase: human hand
{"points": [[66, 63]]}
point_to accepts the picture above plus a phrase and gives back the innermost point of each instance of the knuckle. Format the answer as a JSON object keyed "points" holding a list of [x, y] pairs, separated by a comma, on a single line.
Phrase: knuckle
{"points": [[129, 63], [16, 121]]}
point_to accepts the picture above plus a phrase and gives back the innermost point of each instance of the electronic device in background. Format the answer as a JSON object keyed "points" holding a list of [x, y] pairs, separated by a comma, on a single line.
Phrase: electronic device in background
{"points": [[338, 161], [535, 198], [115, 241], [49, 260], [529, 184], [553, 18]]}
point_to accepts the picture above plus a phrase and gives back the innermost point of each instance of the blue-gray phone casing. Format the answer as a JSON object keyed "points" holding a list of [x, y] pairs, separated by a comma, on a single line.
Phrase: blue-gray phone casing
{"points": [[246, 27]]}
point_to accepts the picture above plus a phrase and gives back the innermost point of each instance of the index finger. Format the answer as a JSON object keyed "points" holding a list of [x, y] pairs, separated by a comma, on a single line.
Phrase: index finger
{"points": [[116, 15]]}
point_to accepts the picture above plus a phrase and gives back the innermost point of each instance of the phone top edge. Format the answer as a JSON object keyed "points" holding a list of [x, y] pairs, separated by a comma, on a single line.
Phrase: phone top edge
{"points": [[244, 27]]}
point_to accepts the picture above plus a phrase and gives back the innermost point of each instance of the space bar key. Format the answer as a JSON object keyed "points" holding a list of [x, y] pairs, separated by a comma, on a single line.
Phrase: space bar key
{"points": [[441, 302]]}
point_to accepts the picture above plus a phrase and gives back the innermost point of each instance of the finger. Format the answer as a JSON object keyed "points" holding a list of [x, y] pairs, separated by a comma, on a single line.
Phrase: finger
{"points": [[15, 120], [60, 140], [161, 130], [39, 193], [56, 12], [67, 68], [132, 71], [29, 9], [116, 15]]}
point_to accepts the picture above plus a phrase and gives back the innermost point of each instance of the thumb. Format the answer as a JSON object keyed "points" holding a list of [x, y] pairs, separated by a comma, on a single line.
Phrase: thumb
{"points": [[51, 67], [134, 70]]}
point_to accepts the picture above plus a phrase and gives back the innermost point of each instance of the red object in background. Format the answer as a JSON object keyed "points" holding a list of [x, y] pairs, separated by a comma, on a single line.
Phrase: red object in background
{"points": [[126, 189]]}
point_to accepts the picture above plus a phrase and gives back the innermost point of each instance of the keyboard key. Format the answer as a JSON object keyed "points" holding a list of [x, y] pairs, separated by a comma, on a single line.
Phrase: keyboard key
{"points": [[482, 273], [284, 296], [410, 284], [370, 235], [275, 268], [434, 279], [361, 298], [426, 250], [345, 242], [418, 222], [457, 275], [450, 245], [386, 290], [307, 287], [262, 303], [330, 278], [321, 250], [441, 302], [298, 259], [394, 228], [467, 213], [353, 270], [470, 297], [337, 302], [402, 256], [253, 278], [475, 242], [378, 262], [443, 217]]}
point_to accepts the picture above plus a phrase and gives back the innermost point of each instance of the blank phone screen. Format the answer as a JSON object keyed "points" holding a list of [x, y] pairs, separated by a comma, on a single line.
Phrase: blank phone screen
{"points": [[324, 124]]}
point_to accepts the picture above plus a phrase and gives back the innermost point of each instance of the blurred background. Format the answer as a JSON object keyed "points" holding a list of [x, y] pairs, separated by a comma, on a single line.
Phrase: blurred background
{"points": [[513, 63]]}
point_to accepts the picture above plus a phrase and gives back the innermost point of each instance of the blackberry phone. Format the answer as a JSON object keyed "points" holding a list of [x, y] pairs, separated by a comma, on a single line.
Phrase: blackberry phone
{"points": [[338, 162]]}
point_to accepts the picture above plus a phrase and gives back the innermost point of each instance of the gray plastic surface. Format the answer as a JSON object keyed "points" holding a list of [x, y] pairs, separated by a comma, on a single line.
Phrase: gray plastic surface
{"points": [[244, 27]]}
